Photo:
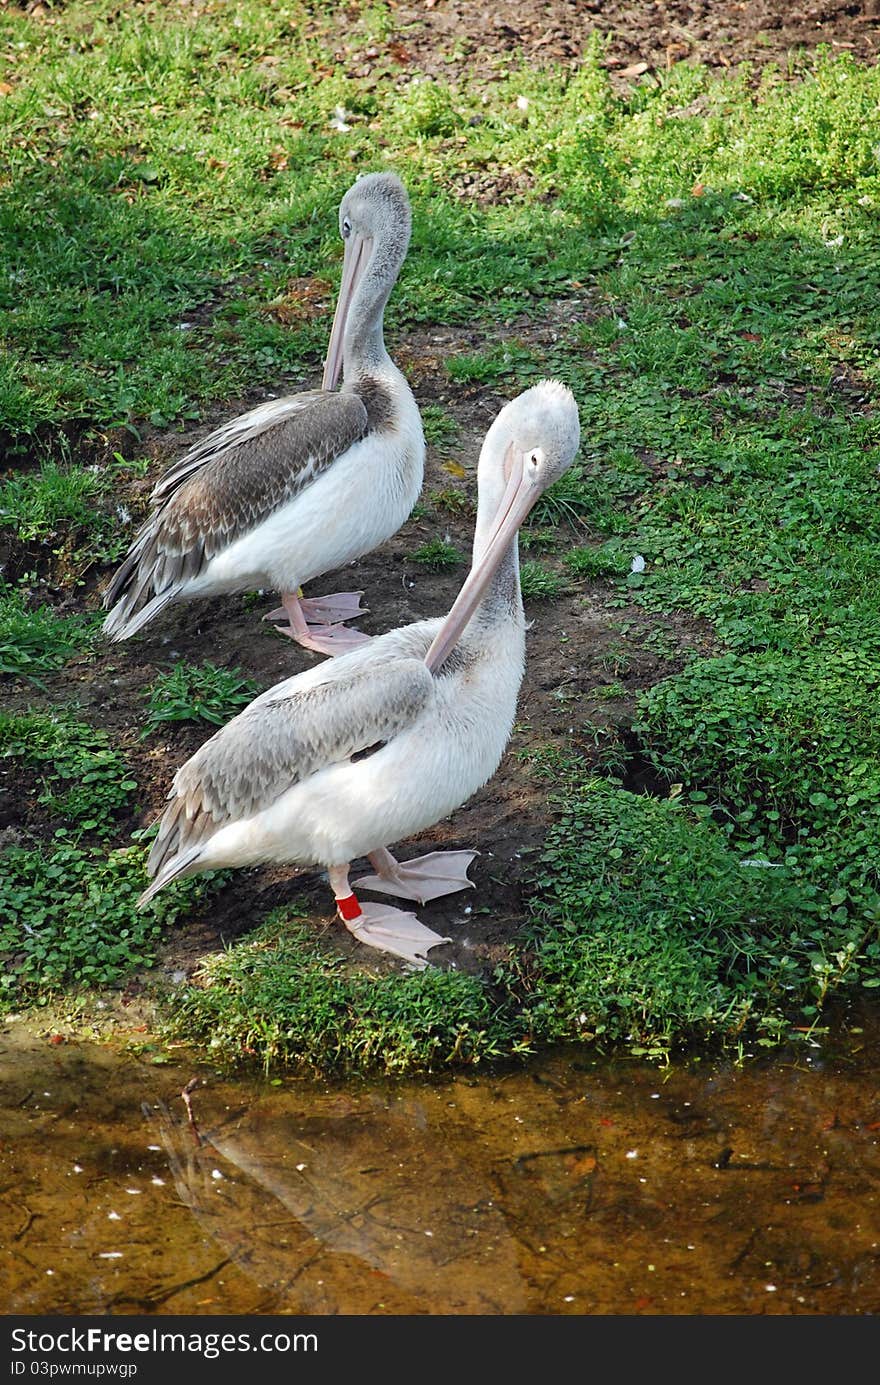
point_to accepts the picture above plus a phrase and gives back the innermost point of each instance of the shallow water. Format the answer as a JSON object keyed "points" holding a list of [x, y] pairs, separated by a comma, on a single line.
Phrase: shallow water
{"points": [[560, 1189]]}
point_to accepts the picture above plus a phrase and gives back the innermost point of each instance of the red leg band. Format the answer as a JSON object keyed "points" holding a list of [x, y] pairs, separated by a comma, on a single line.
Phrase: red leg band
{"points": [[348, 908]]}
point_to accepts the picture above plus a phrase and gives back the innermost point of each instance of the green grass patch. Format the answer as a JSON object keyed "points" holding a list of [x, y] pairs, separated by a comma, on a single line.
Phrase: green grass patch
{"points": [[784, 753], [66, 517], [68, 916], [778, 732], [282, 999], [497, 363], [564, 503], [649, 931], [41, 506], [439, 426], [455, 502], [197, 692], [538, 583], [437, 555], [34, 641], [83, 780], [604, 560], [68, 919], [167, 215]]}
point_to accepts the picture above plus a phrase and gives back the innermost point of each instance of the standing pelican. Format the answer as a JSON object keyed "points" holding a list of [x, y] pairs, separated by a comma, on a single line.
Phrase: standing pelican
{"points": [[338, 762], [301, 485]]}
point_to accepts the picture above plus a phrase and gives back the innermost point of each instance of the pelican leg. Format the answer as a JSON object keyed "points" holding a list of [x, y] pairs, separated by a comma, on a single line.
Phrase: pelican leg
{"points": [[325, 639], [381, 926], [423, 878]]}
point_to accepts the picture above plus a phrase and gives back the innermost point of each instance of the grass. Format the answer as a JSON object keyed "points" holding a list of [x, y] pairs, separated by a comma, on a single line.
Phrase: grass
{"points": [[496, 363], [437, 555], [41, 506], [538, 583], [69, 921], [197, 692], [783, 753], [82, 779], [34, 641], [454, 502], [68, 915], [653, 927], [601, 560], [330, 1020], [722, 230], [439, 427], [65, 517]]}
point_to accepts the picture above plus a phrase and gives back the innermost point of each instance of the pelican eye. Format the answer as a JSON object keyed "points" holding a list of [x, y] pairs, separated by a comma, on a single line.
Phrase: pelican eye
{"points": [[535, 457], [346, 229]]}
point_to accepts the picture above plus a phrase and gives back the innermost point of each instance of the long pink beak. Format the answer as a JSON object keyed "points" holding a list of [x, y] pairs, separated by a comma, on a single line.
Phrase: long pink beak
{"points": [[356, 258], [518, 499]]}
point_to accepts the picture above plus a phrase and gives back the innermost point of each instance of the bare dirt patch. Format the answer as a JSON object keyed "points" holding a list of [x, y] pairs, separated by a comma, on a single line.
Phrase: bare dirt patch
{"points": [[445, 38]]}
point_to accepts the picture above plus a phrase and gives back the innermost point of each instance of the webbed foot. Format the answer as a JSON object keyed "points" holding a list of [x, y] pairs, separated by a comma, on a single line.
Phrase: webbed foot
{"points": [[393, 930], [424, 878]]}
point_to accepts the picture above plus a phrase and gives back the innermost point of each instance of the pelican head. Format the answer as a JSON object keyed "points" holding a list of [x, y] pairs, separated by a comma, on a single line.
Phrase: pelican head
{"points": [[375, 223], [534, 437], [532, 442]]}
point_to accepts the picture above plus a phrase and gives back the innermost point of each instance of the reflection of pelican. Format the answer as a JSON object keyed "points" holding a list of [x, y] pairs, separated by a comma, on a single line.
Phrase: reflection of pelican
{"points": [[336, 762], [353, 1191], [302, 485]]}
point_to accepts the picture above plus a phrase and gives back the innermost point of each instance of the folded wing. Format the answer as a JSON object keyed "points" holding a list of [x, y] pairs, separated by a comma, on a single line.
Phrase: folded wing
{"points": [[224, 487], [282, 738]]}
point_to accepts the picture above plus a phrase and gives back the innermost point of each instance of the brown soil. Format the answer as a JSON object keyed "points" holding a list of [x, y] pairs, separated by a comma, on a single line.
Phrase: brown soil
{"points": [[442, 38], [587, 657]]}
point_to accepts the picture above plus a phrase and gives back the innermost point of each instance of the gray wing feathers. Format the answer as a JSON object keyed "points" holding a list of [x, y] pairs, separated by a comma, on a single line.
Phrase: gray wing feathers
{"points": [[272, 745], [238, 432], [223, 487]]}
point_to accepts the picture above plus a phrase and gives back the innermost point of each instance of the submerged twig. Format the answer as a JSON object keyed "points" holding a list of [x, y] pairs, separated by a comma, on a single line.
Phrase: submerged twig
{"points": [[187, 1101]]}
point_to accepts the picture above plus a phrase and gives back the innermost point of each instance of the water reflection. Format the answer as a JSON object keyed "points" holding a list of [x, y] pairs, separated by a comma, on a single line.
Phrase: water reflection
{"points": [[561, 1189], [409, 1217]]}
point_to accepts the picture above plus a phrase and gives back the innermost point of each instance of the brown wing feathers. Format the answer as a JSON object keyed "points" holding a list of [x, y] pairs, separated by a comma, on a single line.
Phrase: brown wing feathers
{"points": [[223, 487]]}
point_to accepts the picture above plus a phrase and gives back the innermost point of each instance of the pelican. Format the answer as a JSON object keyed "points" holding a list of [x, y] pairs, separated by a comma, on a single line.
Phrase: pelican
{"points": [[337, 762], [301, 485]]}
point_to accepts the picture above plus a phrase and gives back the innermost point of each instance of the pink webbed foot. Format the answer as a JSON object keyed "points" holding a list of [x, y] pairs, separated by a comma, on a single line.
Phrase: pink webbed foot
{"points": [[328, 610], [320, 635], [325, 610], [326, 639], [423, 878], [391, 930]]}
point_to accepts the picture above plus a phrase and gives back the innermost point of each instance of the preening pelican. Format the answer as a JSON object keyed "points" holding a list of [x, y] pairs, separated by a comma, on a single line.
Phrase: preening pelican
{"points": [[340, 761], [301, 485]]}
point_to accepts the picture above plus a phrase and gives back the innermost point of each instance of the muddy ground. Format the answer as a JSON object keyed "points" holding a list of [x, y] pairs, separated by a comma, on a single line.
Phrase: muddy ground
{"points": [[581, 647]]}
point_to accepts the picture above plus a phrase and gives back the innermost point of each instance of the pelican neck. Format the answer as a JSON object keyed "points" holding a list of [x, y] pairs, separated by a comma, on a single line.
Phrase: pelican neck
{"points": [[364, 339]]}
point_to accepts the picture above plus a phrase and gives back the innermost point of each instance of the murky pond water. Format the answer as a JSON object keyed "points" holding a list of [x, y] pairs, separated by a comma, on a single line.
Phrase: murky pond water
{"points": [[563, 1188]]}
